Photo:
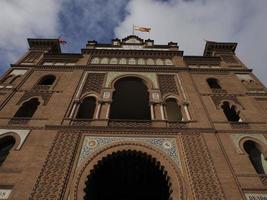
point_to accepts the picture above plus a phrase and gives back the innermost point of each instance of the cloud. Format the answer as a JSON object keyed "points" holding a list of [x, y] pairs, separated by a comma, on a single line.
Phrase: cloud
{"points": [[190, 22], [21, 19], [83, 20]]}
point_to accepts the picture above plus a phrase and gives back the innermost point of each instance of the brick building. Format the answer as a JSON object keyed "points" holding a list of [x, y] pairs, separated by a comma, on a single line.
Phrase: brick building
{"points": [[132, 120]]}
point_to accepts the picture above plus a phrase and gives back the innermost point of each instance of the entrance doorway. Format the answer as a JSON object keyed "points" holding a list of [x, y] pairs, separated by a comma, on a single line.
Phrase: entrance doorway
{"points": [[127, 175]]}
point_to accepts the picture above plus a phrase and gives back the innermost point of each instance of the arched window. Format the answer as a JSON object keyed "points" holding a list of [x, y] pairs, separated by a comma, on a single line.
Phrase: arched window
{"points": [[255, 156], [213, 83], [47, 80], [28, 108], [6, 143], [87, 108], [173, 110], [130, 100], [230, 112]]}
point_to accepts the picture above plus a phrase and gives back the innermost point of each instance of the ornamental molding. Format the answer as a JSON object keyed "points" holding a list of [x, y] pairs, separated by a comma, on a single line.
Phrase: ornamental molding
{"points": [[105, 68]]}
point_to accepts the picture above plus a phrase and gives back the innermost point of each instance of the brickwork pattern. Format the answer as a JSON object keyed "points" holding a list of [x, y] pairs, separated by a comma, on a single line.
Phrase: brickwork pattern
{"points": [[201, 171], [94, 82], [56, 170], [167, 84]]}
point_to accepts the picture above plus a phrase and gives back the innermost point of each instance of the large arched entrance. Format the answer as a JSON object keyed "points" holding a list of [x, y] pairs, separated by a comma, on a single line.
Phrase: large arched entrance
{"points": [[127, 175], [130, 100]]}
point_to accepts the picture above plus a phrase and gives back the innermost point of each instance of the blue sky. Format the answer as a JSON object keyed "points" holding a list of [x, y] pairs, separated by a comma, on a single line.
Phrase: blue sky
{"points": [[188, 22]]}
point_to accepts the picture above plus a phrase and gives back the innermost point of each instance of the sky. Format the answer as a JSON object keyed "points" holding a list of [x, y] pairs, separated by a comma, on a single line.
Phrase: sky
{"points": [[187, 22]]}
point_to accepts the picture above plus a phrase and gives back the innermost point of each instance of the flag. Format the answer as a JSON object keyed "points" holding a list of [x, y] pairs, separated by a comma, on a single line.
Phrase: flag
{"points": [[142, 29], [61, 41]]}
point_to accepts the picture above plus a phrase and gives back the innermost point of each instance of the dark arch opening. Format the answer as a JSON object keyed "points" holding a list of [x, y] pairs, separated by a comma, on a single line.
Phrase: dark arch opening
{"points": [[28, 108], [254, 156], [127, 175], [130, 100], [213, 83], [230, 112], [6, 143], [87, 108], [47, 80], [173, 110]]}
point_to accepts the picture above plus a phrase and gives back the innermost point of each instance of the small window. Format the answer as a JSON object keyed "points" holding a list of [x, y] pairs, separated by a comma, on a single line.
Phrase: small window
{"points": [[87, 108], [47, 80], [230, 112], [173, 110], [213, 83], [255, 156], [6, 143], [28, 108]]}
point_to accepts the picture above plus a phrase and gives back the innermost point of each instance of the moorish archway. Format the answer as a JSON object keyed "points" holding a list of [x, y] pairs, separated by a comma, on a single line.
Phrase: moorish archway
{"points": [[127, 175], [130, 100]]}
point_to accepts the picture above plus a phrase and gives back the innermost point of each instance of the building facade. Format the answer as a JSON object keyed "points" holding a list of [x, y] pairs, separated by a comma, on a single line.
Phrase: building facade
{"points": [[132, 120]]}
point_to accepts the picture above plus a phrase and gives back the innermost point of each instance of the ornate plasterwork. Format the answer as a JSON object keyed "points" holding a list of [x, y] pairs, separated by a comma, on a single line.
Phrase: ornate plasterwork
{"points": [[113, 75], [237, 137], [21, 133], [93, 143]]}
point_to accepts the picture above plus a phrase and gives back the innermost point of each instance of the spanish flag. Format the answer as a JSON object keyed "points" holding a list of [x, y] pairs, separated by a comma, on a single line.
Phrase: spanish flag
{"points": [[142, 29]]}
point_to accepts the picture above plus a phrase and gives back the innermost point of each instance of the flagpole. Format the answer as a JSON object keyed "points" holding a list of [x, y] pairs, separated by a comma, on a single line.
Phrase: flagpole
{"points": [[133, 30]]}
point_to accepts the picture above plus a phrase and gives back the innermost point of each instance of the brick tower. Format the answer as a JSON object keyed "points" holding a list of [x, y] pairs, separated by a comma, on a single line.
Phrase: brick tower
{"points": [[132, 120]]}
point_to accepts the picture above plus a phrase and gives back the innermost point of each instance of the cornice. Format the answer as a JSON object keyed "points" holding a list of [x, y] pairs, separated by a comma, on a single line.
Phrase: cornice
{"points": [[131, 53], [165, 69]]}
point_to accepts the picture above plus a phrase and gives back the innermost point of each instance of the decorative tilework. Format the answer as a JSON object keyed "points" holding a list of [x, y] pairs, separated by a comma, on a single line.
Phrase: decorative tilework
{"points": [[254, 196], [113, 75], [94, 143]]}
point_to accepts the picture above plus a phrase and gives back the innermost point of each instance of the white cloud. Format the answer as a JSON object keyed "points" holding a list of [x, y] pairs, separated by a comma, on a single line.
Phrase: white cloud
{"points": [[21, 19], [190, 22]]}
